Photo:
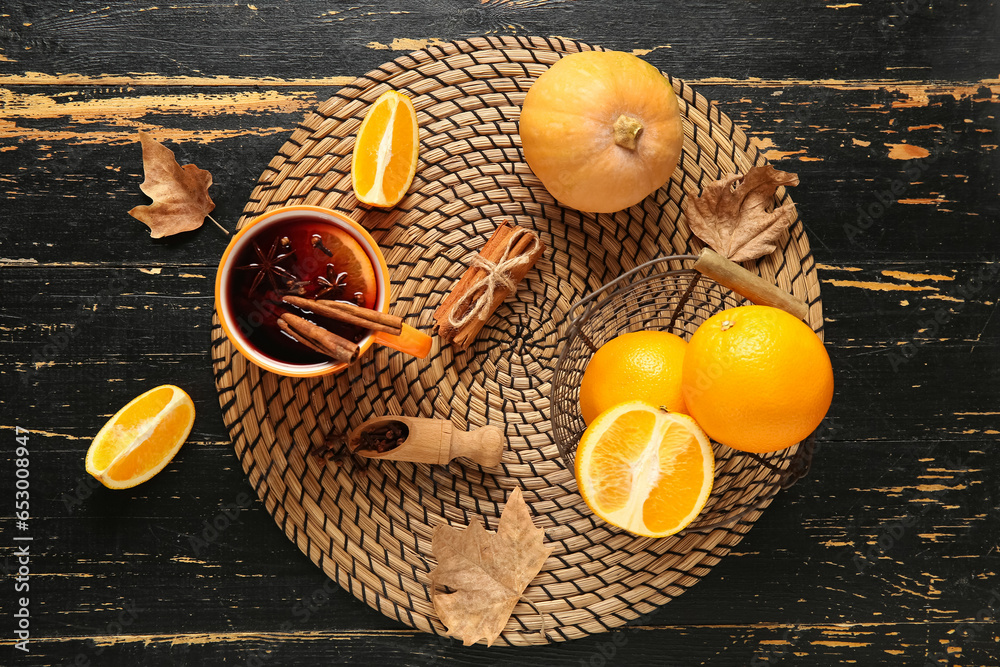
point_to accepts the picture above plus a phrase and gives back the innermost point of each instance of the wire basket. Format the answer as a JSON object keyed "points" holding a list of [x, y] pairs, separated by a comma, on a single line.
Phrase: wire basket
{"points": [[669, 294]]}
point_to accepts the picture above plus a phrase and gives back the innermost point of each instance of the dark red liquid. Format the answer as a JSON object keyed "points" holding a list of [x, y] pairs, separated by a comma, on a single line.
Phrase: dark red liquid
{"points": [[301, 257]]}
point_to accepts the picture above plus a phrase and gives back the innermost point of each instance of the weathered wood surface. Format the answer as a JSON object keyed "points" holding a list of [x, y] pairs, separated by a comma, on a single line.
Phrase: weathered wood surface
{"points": [[885, 554]]}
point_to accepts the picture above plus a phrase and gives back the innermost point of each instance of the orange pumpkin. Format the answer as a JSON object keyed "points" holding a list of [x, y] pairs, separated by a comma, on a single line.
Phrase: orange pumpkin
{"points": [[601, 130]]}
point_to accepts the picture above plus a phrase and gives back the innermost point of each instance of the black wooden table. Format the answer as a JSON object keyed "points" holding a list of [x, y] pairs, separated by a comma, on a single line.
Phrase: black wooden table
{"points": [[886, 553]]}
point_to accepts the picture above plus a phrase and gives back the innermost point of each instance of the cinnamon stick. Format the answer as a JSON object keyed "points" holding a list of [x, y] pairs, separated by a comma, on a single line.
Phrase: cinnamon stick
{"points": [[318, 339], [492, 251], [349, 313], [473, 284], [283, 325], [464, 336]]}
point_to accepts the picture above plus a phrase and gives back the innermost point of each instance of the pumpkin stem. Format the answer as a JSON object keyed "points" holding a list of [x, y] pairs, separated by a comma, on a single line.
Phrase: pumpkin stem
{"points": [[627, 131]]}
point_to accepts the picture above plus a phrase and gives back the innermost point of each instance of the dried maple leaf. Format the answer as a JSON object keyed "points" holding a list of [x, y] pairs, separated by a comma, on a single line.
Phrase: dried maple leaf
{"points": [[486, 571], [179, 194], [736, 221]]}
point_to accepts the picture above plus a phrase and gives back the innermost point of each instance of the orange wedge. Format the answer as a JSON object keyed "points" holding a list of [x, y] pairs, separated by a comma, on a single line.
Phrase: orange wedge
{"points": [[141, 438], [644, 469], [385, 153]]}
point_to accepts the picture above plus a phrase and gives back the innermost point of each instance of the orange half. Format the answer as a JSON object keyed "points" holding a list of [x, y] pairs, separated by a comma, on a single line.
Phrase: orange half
{"points": [[644, 469], [142, 438], [385, 152]]}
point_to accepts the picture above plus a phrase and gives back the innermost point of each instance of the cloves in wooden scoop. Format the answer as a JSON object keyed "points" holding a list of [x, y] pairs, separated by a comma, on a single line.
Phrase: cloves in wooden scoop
{"points": [[383, 438]]}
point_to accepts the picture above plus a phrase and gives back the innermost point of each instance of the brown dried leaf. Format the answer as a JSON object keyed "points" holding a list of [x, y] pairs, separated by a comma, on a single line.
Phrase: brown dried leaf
{"points": [[487, 571], [179, 194], [736, 221]]}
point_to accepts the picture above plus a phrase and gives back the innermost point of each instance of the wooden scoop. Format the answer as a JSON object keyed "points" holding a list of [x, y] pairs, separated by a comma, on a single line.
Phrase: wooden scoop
{"points": [[423, 440]]}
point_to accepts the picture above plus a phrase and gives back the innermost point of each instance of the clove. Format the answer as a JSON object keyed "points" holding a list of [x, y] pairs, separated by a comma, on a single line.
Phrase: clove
{"points": [[383, 438], [317, 242], [334, 450]]}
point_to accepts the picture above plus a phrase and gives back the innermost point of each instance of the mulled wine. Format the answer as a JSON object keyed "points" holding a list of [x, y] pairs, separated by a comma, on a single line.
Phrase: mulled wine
{"points": [[303, 257]]}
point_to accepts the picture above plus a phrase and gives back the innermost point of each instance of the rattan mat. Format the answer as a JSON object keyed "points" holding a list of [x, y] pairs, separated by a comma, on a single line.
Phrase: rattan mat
{"points": [[370, 530]]}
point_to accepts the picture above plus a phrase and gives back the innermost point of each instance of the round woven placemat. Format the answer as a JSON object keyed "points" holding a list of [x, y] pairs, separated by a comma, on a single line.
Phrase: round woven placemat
{"points": [[370, 530]]}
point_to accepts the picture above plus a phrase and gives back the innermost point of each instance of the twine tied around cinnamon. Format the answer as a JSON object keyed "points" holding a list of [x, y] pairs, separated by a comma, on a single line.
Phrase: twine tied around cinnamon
{"points": [[497, 275]]}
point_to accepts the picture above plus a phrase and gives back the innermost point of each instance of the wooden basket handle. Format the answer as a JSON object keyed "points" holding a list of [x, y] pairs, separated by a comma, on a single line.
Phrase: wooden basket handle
{"points": [[756, 289]]}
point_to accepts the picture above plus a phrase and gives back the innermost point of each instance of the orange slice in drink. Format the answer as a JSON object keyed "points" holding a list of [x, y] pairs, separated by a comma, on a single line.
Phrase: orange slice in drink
{"points": [[350, 260], [385, 153], [644, 469], [141, 438]]}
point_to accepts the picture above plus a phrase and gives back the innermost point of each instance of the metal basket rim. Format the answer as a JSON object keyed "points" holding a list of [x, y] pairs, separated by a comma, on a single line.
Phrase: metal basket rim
{"points": [[625, 278]]}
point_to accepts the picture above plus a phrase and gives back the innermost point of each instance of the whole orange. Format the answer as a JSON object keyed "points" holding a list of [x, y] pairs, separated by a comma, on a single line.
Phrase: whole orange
{"points": [[637, 366], [757, 379]]}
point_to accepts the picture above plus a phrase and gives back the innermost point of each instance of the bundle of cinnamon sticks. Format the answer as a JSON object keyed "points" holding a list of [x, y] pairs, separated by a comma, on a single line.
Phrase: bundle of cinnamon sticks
{"points": [[501, 264], [326, 342]]}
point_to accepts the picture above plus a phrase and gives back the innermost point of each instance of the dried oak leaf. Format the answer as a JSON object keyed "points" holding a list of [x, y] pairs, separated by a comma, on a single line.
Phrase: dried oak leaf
{"points": [[736, 221], [487, 572], [179, 194]]}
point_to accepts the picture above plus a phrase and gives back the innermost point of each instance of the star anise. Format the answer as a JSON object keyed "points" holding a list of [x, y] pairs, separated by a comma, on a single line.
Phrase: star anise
{"points": [[267, 265], [333, 283]]}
